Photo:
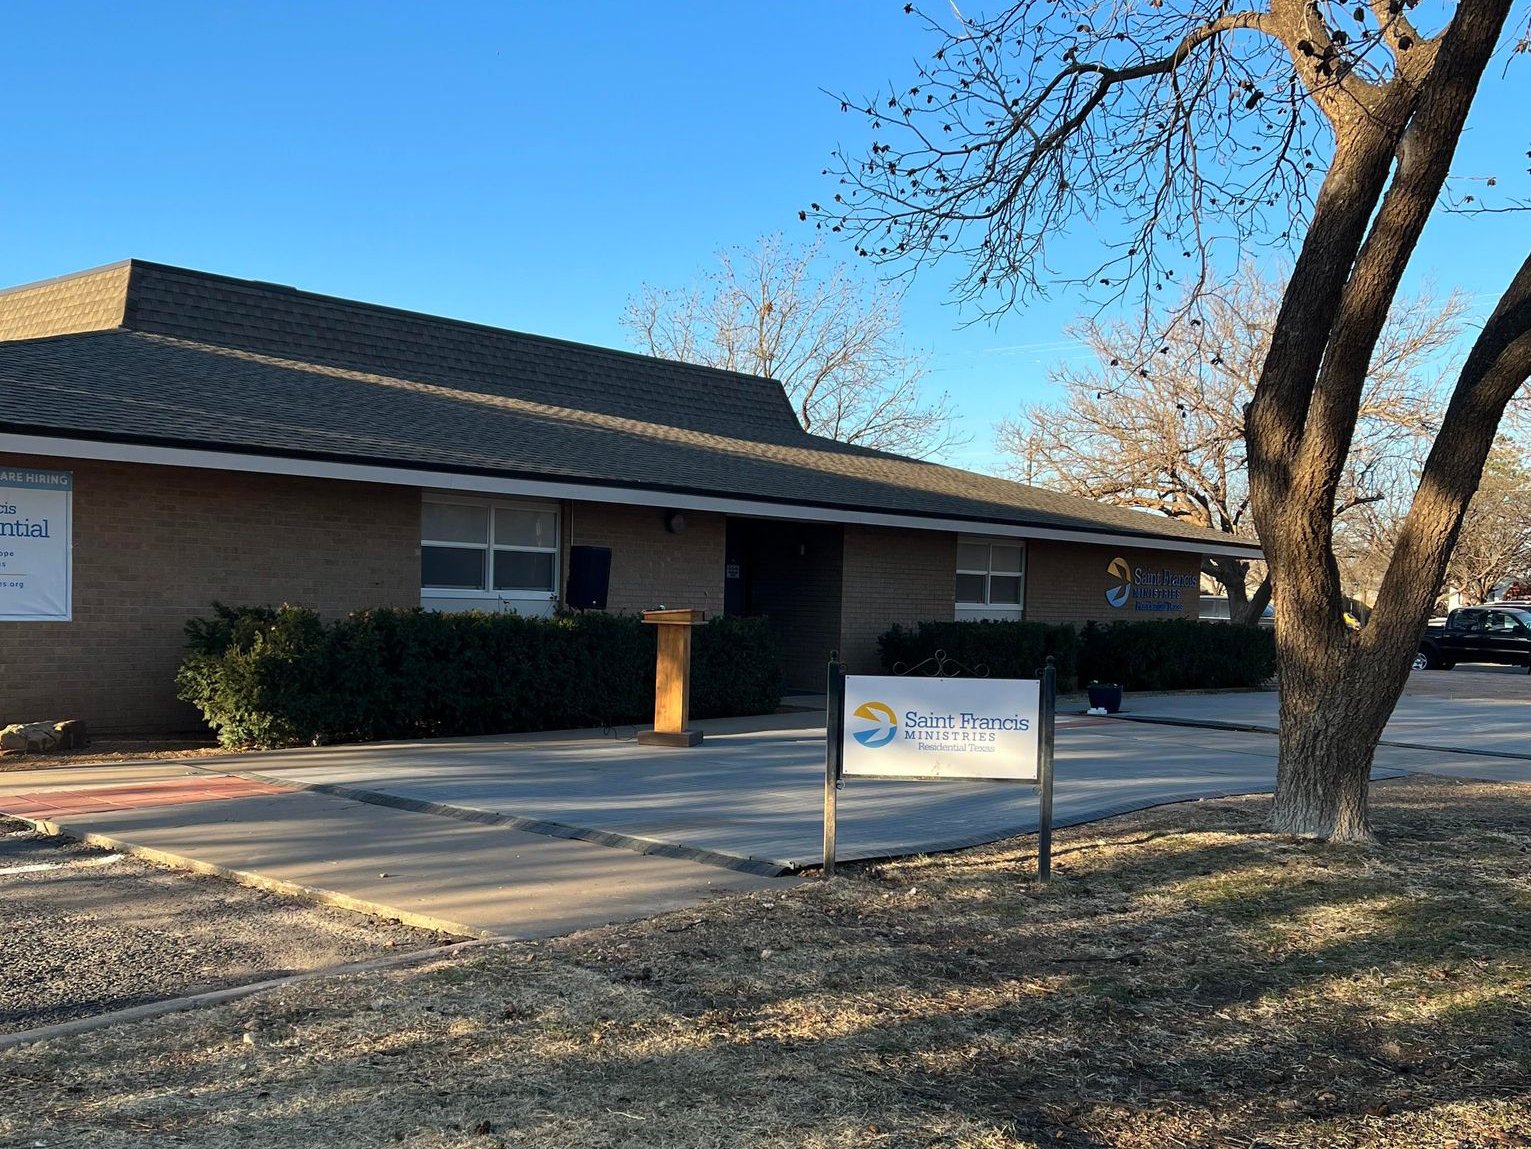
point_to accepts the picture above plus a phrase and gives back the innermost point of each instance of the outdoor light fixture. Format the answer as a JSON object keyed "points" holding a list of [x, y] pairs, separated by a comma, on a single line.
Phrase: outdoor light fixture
{"points": [[675, 522]]}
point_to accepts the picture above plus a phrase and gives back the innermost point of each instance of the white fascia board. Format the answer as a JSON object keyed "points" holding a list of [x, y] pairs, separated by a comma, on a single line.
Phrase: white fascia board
{"points": [[570, 489]]}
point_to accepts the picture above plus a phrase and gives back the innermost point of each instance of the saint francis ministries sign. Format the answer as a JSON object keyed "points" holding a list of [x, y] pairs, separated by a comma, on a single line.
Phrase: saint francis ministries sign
{"points": [[940, 729]]}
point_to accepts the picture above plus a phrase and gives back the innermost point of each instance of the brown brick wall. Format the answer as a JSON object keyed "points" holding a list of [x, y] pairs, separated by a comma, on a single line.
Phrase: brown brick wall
{"points": [[1067, 582], [649, 565], [154, 546], [892, 576]]}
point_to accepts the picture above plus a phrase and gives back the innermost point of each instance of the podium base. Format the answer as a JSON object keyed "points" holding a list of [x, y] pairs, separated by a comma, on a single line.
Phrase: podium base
{"points": [[669, 738]]}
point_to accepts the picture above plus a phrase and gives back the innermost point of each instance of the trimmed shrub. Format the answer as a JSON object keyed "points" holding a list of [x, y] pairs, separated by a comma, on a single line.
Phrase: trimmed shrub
{"points": [[280, 677], [1004, 649], [735, 669], [263, 672], [1177, 654]]}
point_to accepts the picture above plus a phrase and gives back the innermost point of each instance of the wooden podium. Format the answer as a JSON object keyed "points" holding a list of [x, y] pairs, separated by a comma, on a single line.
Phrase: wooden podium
{"points": [[672, 679]]}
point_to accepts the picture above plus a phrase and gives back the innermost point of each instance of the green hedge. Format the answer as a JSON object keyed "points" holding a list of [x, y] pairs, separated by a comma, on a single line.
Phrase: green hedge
{"points": [[267, 677], [1004, 649], [1177, 654]]}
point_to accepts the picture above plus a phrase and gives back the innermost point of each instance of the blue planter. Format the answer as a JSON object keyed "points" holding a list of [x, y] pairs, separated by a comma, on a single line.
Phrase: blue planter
{"points": [[1107, 698]]}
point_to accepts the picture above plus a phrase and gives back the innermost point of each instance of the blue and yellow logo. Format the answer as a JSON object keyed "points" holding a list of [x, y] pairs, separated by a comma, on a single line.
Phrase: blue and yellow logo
{"points": [[1119, 594], [884, 726]]}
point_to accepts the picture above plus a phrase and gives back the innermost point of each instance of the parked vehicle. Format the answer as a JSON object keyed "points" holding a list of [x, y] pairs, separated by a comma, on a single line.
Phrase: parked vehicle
{"points": [[1214, 608], [1490, 633]]}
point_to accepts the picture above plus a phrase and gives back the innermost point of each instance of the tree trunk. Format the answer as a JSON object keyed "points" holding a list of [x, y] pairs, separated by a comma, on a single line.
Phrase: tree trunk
{"points": [[1335, 701], [1253, 609], [1230, 574], [1233, 576], [1337, 689]]}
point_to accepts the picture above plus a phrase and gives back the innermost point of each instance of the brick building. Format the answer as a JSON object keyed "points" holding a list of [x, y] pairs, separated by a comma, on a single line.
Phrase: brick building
{"points": [[247, 443]]}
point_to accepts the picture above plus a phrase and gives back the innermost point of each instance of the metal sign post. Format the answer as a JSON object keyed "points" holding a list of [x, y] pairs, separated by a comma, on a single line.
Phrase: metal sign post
{"points": [[942, 728], [834, 709], [1045, 772]]}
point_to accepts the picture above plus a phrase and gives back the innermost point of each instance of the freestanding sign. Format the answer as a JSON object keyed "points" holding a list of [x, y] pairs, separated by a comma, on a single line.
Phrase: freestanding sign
{"points": [[36, 534], [976, 728], [940, 728]]}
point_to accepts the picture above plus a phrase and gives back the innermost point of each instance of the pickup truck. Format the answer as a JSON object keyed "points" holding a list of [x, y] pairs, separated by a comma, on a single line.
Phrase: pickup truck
{"points": [[1492, 633]]}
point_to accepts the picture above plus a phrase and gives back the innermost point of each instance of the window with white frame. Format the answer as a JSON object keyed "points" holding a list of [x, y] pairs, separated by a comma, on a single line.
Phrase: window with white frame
{"points": [[492, 548], [991, 574]]}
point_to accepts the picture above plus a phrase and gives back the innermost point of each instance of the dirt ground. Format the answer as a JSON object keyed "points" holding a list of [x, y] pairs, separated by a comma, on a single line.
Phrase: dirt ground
{"points": [[86, 932], [1185, 981], [112, 751]]}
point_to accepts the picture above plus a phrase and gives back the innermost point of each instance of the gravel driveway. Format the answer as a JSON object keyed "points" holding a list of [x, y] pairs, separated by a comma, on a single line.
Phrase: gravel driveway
{"points": [[83, 932]]}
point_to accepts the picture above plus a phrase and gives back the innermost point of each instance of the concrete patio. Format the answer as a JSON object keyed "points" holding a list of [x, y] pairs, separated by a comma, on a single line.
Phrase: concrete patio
{"points": [[750, 796], [510, 835]]}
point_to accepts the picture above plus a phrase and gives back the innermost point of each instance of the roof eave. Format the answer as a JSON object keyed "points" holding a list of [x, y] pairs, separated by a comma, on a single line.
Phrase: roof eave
{"points": [[26, 439]]}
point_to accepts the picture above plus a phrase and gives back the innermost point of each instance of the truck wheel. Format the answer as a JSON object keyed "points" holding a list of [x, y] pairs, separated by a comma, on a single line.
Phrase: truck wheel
{"points": [[1421, 661]]}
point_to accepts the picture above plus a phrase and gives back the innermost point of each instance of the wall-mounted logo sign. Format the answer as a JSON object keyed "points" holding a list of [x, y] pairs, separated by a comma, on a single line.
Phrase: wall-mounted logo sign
{"points": [[36, 536], [1118, 594], [941, 727], [880, 724], [1156, 589]]}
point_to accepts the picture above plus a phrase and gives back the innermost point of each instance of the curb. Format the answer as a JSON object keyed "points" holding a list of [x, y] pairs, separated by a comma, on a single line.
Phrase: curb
{"points": [[216, 997], [758, 867], [256, 881]]}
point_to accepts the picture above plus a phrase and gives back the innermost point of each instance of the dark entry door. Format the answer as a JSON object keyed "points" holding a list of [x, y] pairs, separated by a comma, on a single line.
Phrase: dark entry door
{"points": [[788, 573]]}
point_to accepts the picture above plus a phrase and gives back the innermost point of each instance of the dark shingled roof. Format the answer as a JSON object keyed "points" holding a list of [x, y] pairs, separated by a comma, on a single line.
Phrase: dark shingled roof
{"points": [[150, 354]]}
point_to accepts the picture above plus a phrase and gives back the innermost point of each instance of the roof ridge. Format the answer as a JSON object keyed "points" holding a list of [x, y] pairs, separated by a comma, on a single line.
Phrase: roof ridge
{"points": [[84, 273], [210, 396], [388, 309]]}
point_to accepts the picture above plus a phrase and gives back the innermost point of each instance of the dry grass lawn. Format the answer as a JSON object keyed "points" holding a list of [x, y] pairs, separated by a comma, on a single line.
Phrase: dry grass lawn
{"points": [[1186, 981]]}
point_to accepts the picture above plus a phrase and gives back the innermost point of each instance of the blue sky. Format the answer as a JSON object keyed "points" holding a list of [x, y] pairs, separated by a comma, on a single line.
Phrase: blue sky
{"points": [[521, 164]]}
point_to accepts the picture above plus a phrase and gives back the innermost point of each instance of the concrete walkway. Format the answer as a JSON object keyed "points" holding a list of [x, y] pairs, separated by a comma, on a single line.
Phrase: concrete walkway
{"points": [[1494, 724], [439, 833], [427, 871], [754, 797]]}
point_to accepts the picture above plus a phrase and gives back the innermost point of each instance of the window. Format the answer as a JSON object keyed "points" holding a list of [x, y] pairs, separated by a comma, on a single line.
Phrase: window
{"points": [[495, 549], [991, 574], [1465, 620], [1504, 622]]}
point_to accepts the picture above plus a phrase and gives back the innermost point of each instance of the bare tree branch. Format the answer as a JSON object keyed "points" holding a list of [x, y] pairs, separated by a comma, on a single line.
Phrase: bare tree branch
{"points": [[1161, 428], [835, 345]]}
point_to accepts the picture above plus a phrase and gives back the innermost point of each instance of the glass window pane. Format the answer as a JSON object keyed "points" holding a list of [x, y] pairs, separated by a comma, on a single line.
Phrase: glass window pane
{"points": [[461, 568], [1006, 559], [1005, 590], [970, 587], [523, 570], [454, 523], [514, 527], [972, 556]]}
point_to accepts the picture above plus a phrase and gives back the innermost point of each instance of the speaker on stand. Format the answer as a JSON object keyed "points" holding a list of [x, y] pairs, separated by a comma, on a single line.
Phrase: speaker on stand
{"points": [[589, 577]]}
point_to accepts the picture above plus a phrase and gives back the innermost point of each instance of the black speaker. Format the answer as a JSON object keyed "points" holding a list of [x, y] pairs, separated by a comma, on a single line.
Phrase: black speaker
{"points": [[589, 577]]}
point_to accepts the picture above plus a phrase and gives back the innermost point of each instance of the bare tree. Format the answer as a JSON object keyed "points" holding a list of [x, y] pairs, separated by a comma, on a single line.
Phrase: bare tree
{"points": [[1182, 130], [1494, 543], [1161, 428], [834, 344]]}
